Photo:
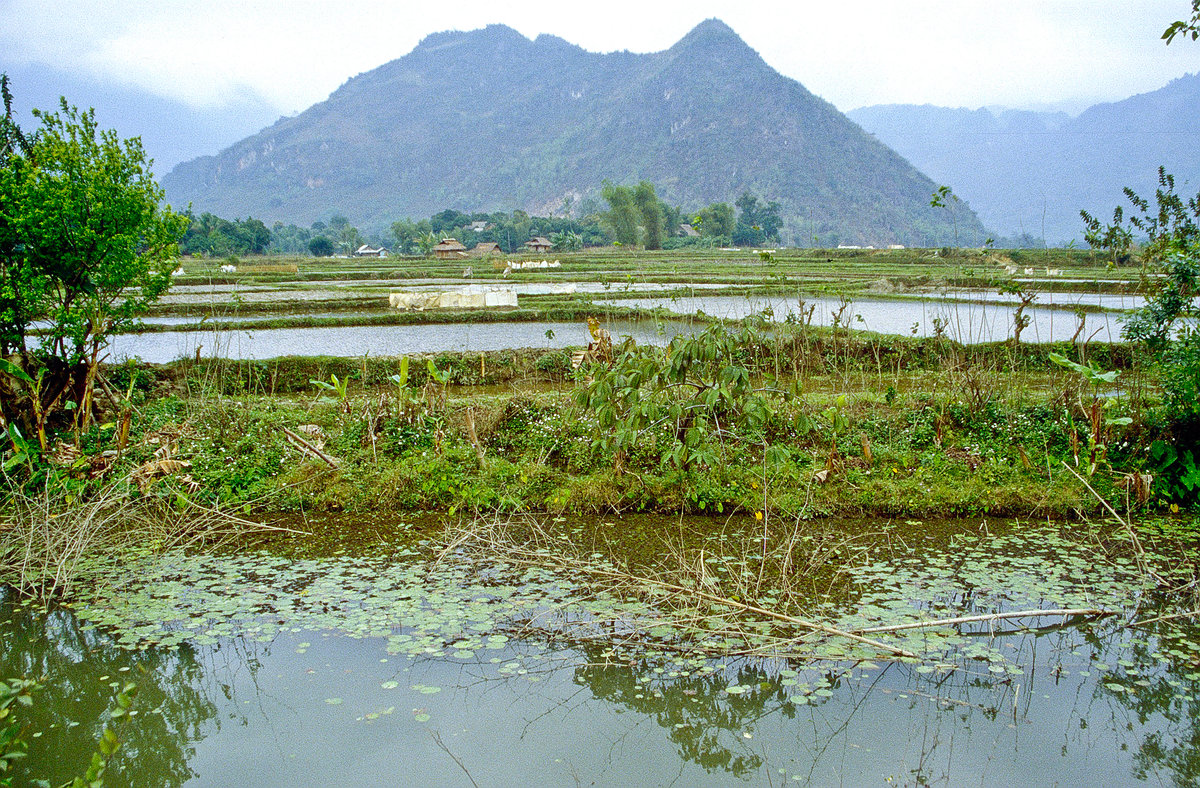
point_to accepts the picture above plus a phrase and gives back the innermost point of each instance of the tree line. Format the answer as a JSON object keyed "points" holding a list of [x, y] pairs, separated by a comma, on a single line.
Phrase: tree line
{"points": [[631, 216]]}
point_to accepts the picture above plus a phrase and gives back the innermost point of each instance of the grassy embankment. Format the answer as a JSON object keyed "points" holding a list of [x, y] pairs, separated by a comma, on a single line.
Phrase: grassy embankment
{"points": [[885, 426], [870, 425]]}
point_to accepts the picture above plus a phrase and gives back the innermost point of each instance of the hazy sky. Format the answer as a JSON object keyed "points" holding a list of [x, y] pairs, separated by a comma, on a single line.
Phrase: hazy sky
{"points": [[851, 52]]}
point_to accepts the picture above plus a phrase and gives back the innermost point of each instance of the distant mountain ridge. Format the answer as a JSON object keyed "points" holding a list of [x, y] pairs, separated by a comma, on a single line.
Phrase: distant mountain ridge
{"points": [[489, 120], [1022, 170], [171, 131]]}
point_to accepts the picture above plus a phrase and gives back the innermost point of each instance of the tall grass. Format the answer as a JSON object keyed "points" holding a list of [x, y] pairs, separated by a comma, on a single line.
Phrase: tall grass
{"points": [[48, 536]]}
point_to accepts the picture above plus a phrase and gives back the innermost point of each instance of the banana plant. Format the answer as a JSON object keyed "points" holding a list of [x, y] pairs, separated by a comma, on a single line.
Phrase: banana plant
{"points": [[1093, 410], [338, 387], [33, 387]]}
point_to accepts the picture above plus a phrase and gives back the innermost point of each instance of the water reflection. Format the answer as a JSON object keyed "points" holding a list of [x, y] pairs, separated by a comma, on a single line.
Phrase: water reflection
{"points": [[1090, 705], [81, 670], [1055, 720]]}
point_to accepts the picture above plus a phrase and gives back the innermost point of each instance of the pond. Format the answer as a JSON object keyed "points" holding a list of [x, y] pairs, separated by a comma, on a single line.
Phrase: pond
{"points": [[387, 667], [964, 321]]}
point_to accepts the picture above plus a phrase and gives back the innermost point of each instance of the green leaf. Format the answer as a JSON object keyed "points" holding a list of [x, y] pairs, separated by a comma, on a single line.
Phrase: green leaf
{"points": [[15, 371]]}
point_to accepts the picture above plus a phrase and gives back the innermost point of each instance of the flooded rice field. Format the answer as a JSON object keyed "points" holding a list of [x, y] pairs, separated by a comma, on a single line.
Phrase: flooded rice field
{"points": [[965, 322], [163, 347], [227, 294], [961, 319]]}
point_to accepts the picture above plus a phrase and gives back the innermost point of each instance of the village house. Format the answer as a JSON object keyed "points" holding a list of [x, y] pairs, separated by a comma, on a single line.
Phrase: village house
{"points": [[449, 249], [687, 231], [370, 251], [538, 244], [484, 249]]}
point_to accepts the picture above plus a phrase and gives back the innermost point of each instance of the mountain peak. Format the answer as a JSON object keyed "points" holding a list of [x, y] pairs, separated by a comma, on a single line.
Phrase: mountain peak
{"points": [[711, 32], [495, 33], [489, 120], [713, 26], [714, 40]]}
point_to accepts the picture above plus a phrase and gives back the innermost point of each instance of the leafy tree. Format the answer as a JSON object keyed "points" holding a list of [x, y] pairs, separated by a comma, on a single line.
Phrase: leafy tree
{"points": [[672, 217], [1172, 224], [253, 235], [22, 286], [716, 220], [349, 239], [407, 233], [756, 223], [1166, 326], [212, 235], [289, 239], [621, 220], [446, 221], [320, 246], [944, 197], [652, 215], [426, 242], [1114, 237], [1187, 28], [566, 241], [87, 248]]}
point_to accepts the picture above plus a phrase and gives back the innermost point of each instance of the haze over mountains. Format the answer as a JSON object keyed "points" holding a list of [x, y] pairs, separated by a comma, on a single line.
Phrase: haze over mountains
{"points": [[489, 120], [1018, 169], [171, 130]]}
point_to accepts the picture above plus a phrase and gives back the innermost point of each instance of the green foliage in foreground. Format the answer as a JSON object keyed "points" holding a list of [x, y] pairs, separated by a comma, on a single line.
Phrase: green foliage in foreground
{"points": [[84, 247], [1167, 328], [782, 419], [710, 435], [696, 387]]}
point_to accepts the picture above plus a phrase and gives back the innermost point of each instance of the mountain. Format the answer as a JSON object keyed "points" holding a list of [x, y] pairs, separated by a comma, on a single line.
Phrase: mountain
{"points": [[1019, 170], [171, 131], [490, 120]]}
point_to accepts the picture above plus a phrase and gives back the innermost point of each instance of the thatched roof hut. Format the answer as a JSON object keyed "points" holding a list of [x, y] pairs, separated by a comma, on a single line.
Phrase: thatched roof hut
{"points": [[485, 248], [449, 249]]}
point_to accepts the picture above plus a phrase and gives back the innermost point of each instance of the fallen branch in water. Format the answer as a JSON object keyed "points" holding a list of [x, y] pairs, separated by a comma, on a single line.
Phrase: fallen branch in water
{"points": [[1171, 617], [946, 622], [516, 555]]}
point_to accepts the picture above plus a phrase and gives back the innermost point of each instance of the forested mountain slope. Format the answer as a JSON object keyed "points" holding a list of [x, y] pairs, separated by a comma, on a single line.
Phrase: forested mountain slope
{"points": [[489, 120], [1018, 169]]}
